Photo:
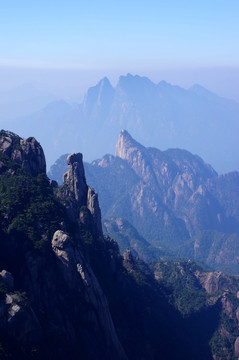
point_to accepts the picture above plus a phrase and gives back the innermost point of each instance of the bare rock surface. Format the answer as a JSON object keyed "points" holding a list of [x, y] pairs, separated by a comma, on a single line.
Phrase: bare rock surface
{"points": [[79, 275], [28, 153], [79, 195]]}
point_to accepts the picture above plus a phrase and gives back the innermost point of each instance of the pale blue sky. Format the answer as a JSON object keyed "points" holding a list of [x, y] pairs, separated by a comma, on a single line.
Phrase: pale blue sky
{"points": [[119, 36]]}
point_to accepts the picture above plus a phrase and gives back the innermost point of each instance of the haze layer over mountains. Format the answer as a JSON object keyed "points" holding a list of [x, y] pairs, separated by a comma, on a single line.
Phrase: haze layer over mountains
{"points": [[158, 115]]}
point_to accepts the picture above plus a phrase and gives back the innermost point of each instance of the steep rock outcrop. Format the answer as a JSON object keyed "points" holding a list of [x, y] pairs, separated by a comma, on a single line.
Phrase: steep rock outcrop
{"points": [[93, 206], [210, 281], [101, 94], [74, 179], [33, 156], [50, 298], [27, 153], [170, 197], [77, 194], [79, 275], [175, 178], [136, 155], [57, 308]]}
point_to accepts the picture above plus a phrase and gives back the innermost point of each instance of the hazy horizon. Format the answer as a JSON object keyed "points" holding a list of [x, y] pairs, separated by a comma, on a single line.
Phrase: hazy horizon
{"points": [[63, 48], [68, 47], [72, 84]]}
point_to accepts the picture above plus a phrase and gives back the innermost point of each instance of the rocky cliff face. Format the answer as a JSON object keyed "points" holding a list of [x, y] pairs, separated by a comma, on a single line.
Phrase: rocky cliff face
{"points": [[27, 153], [169, 197], [225, 188], [173, 182], [65, 291], [50, 298], [78, 274], [78, 195], [207, 290]]}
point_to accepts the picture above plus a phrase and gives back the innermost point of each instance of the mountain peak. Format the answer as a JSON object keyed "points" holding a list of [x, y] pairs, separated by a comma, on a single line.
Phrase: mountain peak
{"points": [[126, 145], [125, 133], [79, 193], [104, 82], [102, 93], [123, 143], [133, 81]]}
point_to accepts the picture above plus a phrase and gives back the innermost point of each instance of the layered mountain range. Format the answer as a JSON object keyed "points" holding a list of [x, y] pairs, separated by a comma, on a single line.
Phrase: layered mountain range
{"points": [[66, 292], [159, 115], [174, 199]]}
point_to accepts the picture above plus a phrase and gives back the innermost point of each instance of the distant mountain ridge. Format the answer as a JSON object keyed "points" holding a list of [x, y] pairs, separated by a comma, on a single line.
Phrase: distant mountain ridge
{"points": [[159, 115], [173, 198]]}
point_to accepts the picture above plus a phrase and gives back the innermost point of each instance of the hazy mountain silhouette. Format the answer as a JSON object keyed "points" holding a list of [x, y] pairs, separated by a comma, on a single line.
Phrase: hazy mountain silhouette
{"points": [[159, 115]]}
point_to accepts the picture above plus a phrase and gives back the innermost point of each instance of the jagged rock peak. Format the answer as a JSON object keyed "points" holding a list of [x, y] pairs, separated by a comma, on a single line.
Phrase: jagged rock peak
{"points": [[77, 192], [135, 154], [134, 80], [93, 206], [105, 82], [75, 158], [74, 178], [27, 153], [126, 145], [103, 85], [101, 93]]}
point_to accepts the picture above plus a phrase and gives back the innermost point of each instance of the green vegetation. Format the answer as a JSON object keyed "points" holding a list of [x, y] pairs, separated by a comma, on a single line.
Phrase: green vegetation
{"points": [[223, 339], [28, 207], [128, 237], [171, 317], [180, 283], [182, 287], [14, 137]]}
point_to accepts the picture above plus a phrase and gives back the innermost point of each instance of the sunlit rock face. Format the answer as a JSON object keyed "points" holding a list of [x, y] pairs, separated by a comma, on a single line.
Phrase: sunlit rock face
{"points": [[27, 153]]}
